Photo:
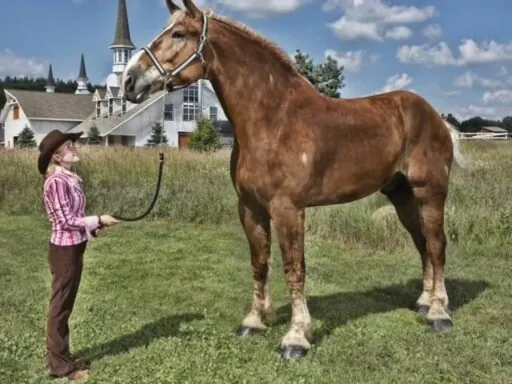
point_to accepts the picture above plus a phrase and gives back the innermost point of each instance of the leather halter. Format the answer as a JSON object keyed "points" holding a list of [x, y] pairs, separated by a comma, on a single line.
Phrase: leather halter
{"points": [[168, 77]]}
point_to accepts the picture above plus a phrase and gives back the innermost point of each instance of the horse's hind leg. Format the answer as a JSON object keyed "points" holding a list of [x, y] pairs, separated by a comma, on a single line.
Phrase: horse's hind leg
{"points": [[429, 181], [256, 223], [399, 192]]}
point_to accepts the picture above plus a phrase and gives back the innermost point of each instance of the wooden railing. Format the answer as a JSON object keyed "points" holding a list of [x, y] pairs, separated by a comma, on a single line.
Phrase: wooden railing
{"points": [[484, 136]]}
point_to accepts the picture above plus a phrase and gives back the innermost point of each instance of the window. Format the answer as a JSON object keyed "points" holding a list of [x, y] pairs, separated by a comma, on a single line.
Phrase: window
{"points": [[169, 112], [98, 108], [16, 112], [213, 113], [191, 94], [110, 106], [123, 105], [190, 112]]}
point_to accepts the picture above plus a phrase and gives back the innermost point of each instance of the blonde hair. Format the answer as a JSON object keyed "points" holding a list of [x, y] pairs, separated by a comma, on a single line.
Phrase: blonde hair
{"points": [[52, 167]]}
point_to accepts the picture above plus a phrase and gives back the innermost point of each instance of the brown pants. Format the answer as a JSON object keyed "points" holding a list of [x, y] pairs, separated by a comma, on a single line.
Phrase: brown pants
{"points": [[66, 267]]}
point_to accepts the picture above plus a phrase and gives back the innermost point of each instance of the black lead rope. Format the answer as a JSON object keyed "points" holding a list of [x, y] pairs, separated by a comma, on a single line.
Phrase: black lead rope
{"points": [[121, 218]]}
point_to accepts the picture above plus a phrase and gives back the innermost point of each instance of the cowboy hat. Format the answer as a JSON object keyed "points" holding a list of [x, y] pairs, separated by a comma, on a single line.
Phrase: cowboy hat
{"points": [[50, 144]]}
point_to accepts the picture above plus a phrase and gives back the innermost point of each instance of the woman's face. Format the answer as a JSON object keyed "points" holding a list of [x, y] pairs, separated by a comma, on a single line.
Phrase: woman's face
{"points": [[67, 154]]}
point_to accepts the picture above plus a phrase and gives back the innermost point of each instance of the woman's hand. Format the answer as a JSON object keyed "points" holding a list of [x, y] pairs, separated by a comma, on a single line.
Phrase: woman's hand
{"points": [[108, 221]]}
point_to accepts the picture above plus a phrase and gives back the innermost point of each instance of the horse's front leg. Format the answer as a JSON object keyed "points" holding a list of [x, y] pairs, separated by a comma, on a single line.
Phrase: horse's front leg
{"points": [[256, 223], [289, 225]]}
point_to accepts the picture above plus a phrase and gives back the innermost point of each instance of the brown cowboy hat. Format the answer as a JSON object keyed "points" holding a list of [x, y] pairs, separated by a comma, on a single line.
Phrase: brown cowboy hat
{"points": [[50, 144]]}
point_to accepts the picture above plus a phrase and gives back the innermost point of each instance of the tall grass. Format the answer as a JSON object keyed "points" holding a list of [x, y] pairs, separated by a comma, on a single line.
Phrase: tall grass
{"points": [[196, 188]]}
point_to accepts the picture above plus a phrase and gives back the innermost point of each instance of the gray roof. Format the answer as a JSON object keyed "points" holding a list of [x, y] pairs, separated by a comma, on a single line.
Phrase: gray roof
{"points": [[495, 129], [107, 124], [115, 91], [122, 36], [53, 105]]}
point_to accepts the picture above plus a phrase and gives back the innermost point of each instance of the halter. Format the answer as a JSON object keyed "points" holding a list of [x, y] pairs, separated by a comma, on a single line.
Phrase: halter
{"points": [[169, 76]]}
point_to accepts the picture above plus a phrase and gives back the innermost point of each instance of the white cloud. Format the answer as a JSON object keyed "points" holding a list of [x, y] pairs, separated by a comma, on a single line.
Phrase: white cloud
{"points": [[439, 54], [470, 52], [486, 112], [13, 65], [398, 81], [432, 31], [500, 96], [375, 20], [470, 80], [351, 60], [399, 33], [259, 8]]}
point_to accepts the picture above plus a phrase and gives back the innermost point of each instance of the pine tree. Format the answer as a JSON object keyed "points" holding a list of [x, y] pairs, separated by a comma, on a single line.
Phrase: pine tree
{"points": [[94, 137], [26, 138], [327, 78], [205, 137], [157, 136]]}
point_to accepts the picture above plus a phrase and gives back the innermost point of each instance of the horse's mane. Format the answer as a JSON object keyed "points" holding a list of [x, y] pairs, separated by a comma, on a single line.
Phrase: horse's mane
{"points": [[254, 36]]}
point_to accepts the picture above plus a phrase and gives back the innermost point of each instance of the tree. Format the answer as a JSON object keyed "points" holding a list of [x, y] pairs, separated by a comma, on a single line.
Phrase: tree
{"points": [[94, 137], [327, 77], [206, 137], [157, 135], [451, 119], [26, 138]]}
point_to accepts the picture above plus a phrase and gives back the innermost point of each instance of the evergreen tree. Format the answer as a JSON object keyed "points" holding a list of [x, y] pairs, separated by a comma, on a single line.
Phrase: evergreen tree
{"points": [[206, 137], [26, 138], [157, 136], [94, 137], [327, 78]]}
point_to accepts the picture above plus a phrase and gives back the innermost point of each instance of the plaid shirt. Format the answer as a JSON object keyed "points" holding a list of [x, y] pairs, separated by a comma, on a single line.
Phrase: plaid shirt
{"points": [[64, 202]]}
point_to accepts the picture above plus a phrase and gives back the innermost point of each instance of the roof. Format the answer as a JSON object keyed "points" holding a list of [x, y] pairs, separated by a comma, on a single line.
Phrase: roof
{"points": [[53, 105], [495, 129], [122, 36], [107, 124]]}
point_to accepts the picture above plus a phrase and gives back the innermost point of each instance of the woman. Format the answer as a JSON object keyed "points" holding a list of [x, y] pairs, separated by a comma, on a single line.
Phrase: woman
{"points": [[65, 203]]}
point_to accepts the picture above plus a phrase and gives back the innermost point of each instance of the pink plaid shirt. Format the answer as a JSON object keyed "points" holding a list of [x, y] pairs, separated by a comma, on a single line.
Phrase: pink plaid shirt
{"points": [[64, 202]]}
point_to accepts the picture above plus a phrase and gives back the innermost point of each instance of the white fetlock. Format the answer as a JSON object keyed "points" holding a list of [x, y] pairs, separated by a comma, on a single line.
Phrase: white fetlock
{"points": [[296, 337], [253, 320]]}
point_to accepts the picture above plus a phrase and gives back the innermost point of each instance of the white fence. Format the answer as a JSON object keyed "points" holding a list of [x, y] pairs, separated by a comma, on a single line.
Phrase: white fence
{"points": [[483, 136]]}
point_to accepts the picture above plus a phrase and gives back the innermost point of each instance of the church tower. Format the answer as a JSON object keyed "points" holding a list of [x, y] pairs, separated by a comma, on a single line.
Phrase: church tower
{"points": [[122, 46], [50, 82], [82, 79]]}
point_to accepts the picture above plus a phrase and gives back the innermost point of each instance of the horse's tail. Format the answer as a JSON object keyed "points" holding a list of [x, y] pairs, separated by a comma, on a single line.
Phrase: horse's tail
{"points": [[460, 159]]}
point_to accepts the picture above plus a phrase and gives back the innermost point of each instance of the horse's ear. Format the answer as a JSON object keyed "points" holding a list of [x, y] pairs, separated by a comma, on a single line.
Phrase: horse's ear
{"points": [[192, 8], [171, 6]]}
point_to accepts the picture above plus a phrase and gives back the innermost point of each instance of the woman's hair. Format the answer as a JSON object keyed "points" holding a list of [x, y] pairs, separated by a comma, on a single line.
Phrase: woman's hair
{"points": [[52, 167]]}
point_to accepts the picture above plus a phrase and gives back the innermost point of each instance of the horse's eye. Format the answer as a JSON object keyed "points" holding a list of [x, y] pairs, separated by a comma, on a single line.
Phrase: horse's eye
{"points": [[178, 34]]}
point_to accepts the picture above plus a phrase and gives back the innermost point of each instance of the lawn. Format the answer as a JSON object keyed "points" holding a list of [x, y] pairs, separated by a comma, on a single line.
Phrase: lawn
{"points": [[160, 302]]}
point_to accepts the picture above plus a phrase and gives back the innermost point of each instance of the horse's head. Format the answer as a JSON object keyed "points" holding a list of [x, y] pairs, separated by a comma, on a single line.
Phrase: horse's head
{"points": [[174, 59]]}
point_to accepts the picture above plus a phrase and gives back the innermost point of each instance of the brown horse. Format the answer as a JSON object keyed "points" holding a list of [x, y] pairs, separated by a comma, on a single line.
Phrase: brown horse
{"points": [[296, 148]]}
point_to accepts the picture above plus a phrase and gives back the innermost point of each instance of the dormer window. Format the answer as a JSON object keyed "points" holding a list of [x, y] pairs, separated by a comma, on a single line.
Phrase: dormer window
{"points": [[110, 106], [123, 105], [98, 108]]}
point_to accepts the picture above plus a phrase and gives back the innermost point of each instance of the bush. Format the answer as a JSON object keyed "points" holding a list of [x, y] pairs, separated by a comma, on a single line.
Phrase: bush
{"points": [[205, 138]]}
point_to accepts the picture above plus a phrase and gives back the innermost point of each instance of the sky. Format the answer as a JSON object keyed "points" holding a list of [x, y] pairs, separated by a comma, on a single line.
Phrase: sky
{"points": [[455, 53]]}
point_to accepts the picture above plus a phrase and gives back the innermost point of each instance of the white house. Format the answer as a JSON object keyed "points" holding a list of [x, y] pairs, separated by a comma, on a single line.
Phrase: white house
{"points": [[118, 121]]}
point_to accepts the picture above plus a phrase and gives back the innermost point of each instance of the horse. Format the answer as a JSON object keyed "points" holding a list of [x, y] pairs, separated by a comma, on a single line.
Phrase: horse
{"points": [[296, 148]]}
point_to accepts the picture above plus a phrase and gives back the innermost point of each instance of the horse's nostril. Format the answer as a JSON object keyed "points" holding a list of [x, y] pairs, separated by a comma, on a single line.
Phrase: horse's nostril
{"points": [[129, 83]]}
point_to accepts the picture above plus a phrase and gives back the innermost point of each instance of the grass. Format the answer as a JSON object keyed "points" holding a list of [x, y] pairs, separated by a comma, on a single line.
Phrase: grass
{"points": [[160, 299]]}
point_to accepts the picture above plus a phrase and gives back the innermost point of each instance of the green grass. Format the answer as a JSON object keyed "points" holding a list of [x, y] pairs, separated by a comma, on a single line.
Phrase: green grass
{"points": [[159, 303], [160, 299]]}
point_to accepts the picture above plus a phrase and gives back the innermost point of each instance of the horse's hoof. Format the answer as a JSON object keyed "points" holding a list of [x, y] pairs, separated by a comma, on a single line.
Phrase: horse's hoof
{"points": [[442, 325], [422, 309], [293, 352], [247, 331]]}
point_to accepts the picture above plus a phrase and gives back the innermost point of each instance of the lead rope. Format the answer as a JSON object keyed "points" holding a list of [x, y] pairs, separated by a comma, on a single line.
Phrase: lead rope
{"points": [[159, 180]]}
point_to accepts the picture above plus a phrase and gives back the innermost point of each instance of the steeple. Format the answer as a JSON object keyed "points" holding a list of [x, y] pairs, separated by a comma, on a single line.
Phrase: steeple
{"points": [[122, 37], [122, 45], [82, 79], [50, 82]]}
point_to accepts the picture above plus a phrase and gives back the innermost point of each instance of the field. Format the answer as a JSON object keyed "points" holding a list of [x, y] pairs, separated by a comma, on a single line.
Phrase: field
{"points": [[160, 299]]}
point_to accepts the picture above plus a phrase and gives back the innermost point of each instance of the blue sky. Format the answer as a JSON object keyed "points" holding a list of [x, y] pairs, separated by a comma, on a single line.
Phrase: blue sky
{"points": [[456, 53]]}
